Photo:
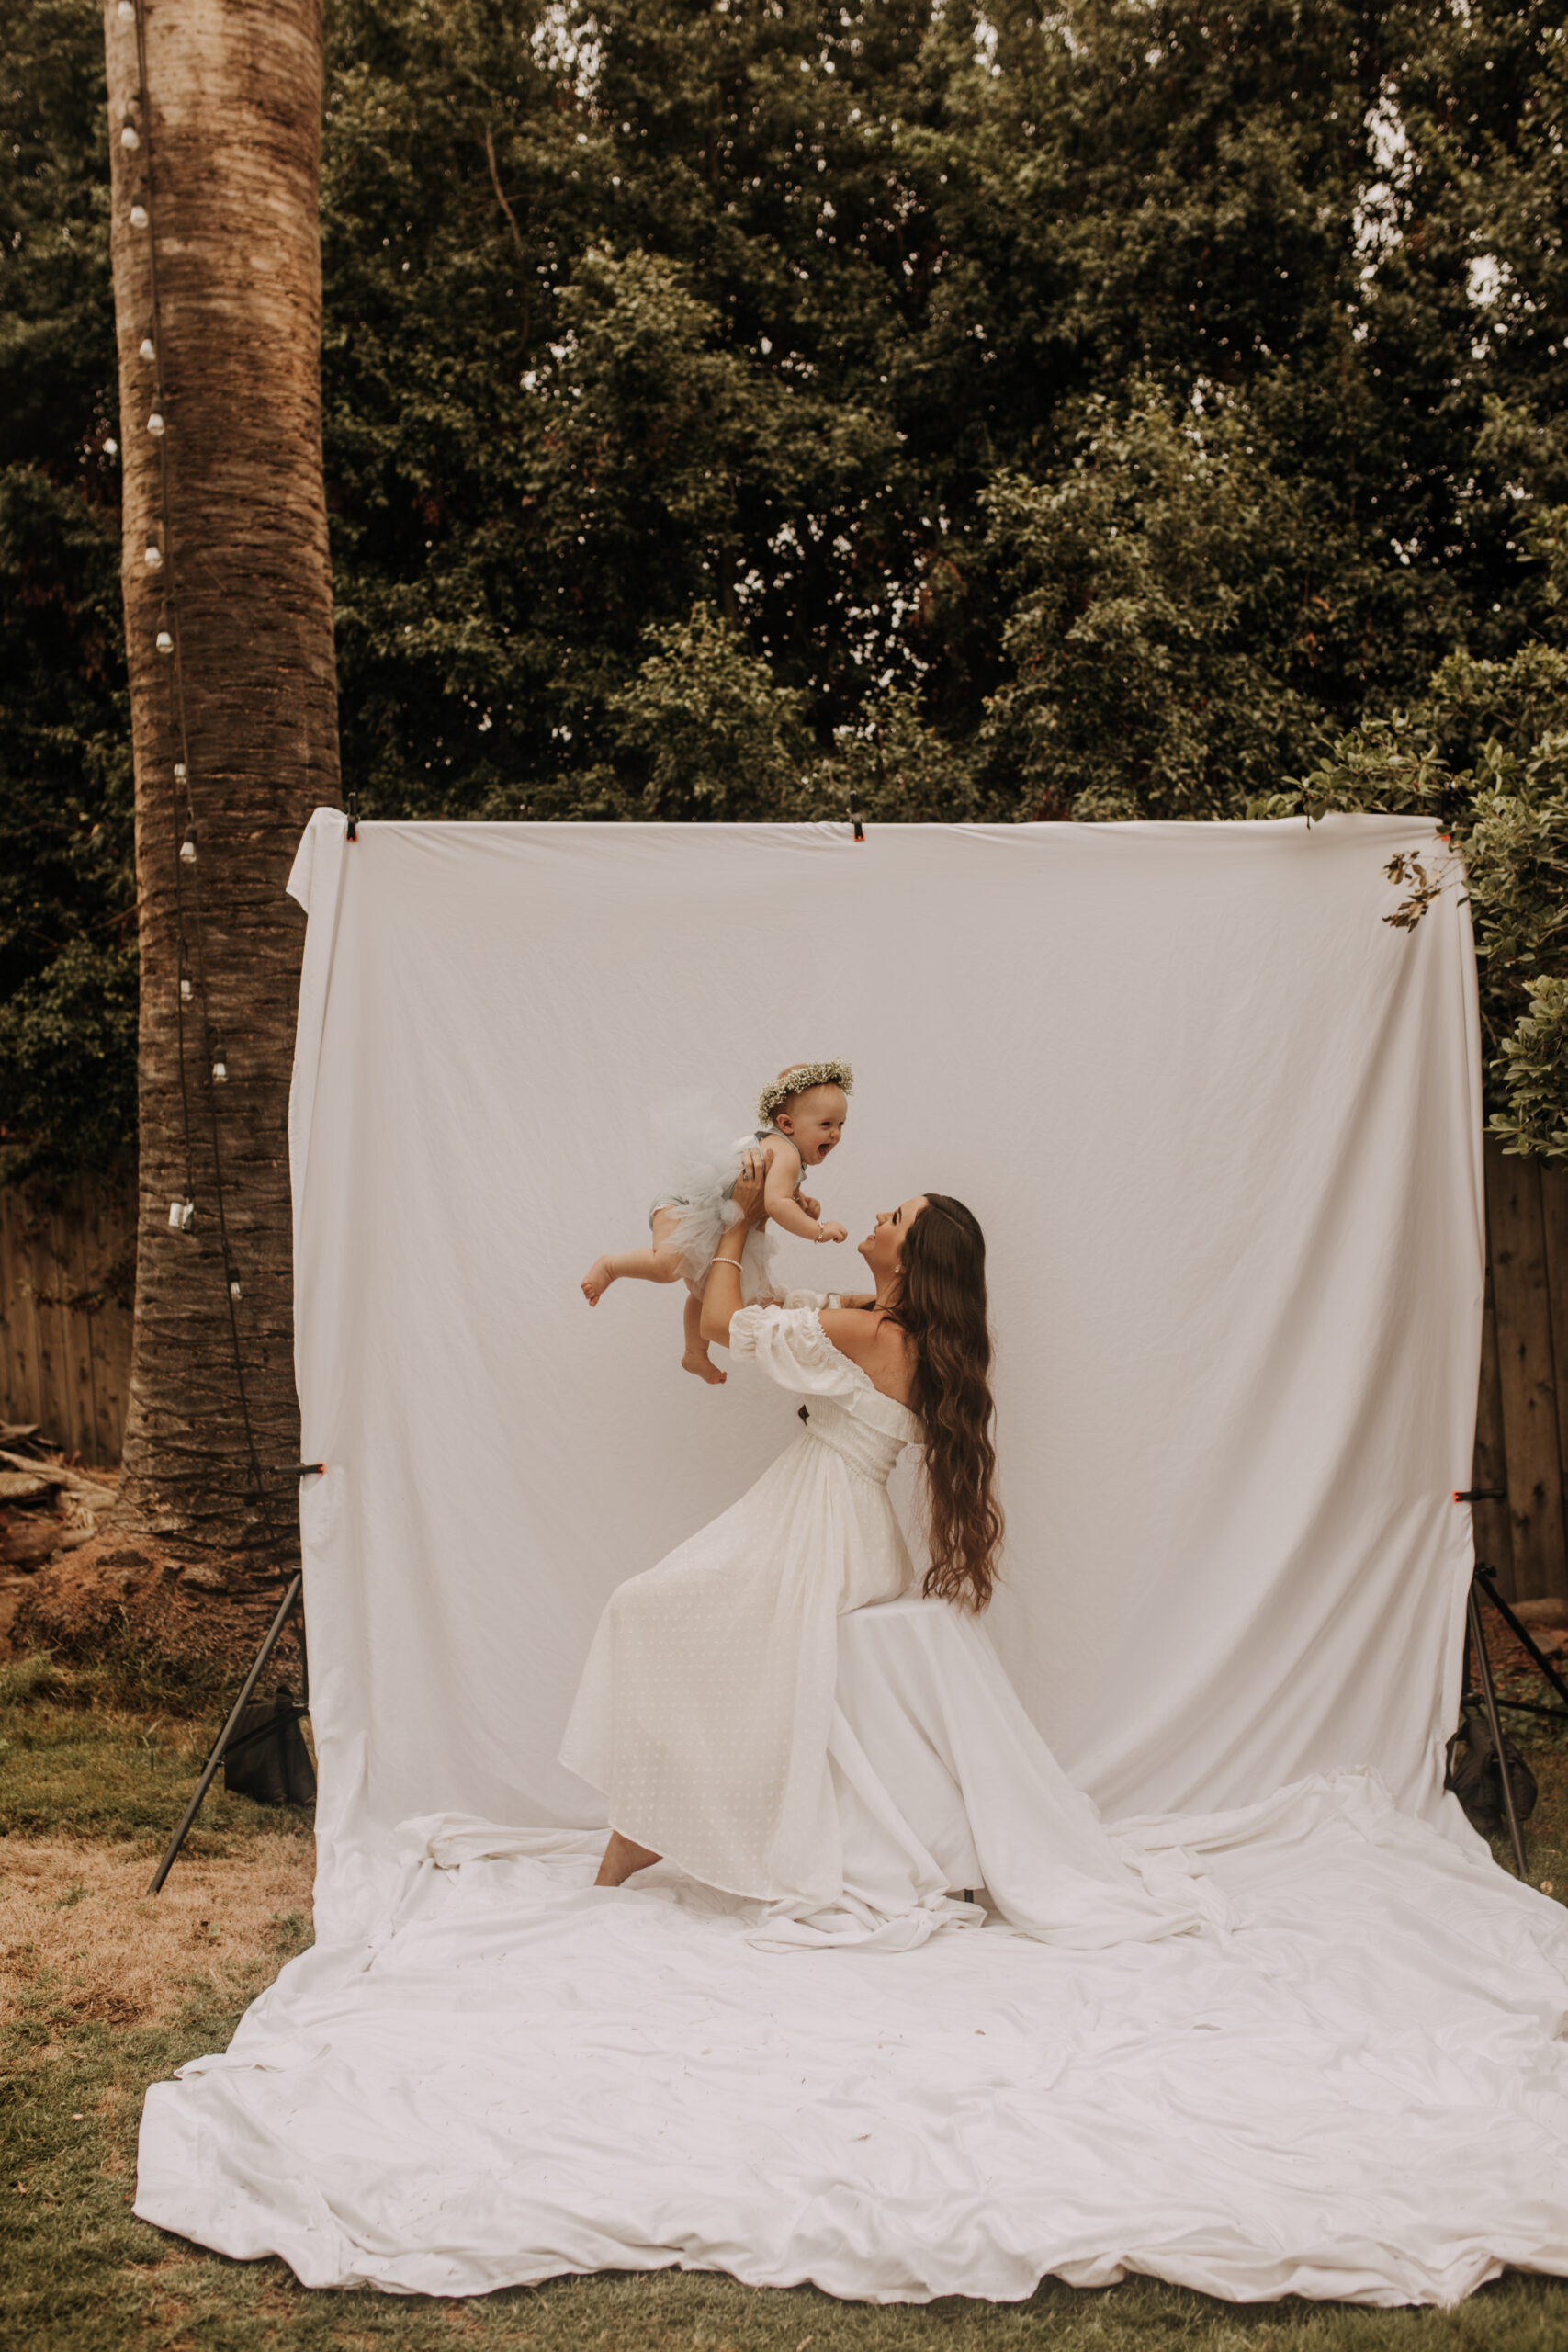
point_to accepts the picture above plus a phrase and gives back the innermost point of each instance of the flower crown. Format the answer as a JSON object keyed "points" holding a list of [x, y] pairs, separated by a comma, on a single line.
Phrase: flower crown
{"points": [[795, 1082]]}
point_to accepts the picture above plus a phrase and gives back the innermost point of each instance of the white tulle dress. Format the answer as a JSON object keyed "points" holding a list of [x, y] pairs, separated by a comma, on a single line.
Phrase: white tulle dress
{"points": [[703, 1162], [706, 1707]]}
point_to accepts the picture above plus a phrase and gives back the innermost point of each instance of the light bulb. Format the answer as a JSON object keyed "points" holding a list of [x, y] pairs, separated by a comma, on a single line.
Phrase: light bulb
{"points": [[187, 851], [165, 642], [186, 991], [128, 12], [233, 1290], [179, 771], [129, 140], [138, 216], [155, 422], [149, 350], [155, 557], [220, 1072]]}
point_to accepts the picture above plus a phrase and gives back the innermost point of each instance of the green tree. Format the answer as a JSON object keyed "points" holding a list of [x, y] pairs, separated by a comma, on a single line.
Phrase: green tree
{"points": [[67, 939], [1069, 412], [1486, 752]]}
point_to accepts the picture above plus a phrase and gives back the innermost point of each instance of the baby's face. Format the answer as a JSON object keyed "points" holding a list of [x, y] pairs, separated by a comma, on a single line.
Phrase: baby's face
{"points": [[814, 1122]]}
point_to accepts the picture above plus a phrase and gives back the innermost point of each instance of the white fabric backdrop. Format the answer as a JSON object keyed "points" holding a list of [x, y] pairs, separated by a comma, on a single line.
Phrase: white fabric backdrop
{"points": [[1218, 1120], [1220, 1123]]}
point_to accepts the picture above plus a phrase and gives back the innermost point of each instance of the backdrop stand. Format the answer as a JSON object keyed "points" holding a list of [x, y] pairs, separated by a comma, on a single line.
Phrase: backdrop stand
{"points": [[1486, 1577], [285, 1609], [1483, 1587], [1489, 1701], [226, 1738]]}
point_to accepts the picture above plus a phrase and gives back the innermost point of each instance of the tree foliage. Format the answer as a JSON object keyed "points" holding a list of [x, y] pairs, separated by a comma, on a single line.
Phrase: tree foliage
{"points": [[67, 945], [1484, 752], [1096, 412]]}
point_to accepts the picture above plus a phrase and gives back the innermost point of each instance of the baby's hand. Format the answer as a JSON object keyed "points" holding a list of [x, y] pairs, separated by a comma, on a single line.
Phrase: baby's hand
{"points": [[812, 1208], [832, 1233]]}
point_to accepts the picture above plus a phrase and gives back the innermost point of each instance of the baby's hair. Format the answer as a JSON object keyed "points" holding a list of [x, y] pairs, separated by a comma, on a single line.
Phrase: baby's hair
{"points": [[796, 1079]]}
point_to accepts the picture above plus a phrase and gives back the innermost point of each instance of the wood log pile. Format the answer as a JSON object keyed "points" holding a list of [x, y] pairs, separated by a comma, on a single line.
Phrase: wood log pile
{"points": [[45, 1508]]}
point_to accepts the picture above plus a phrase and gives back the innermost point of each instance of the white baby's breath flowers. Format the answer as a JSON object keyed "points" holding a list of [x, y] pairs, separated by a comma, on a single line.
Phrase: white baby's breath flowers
{"points": [[795, 1082]]}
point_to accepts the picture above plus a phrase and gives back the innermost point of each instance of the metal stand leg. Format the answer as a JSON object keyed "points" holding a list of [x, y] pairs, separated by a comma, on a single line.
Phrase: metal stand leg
{"points": [[1522, 1633], [1489, 1700], [286, 1610]]}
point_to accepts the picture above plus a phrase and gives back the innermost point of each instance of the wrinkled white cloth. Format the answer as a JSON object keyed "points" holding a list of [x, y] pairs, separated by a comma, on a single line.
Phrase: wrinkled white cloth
{"points": [[1241, 1229], [703, 1711], [1358, 2091], [1222, 1138], [944, 1784]]}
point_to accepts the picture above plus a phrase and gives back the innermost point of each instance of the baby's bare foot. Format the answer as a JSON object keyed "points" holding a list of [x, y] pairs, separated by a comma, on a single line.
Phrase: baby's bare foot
{"points": [[699, 1359], [597, 1280]]}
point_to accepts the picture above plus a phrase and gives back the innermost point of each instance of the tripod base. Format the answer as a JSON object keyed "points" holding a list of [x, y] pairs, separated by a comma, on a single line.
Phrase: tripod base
{"points": [[1483, 1587], [1489, 1701], [285, 1609]]}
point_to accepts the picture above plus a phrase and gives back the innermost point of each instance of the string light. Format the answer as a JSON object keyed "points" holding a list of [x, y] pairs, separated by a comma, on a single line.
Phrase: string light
{"points": [[154, 557], [219, 1071], [148, 349], [138, 216], [129, 140], [156, 424], [186, 991], [165, 644], [187, 851], [128, 12]]}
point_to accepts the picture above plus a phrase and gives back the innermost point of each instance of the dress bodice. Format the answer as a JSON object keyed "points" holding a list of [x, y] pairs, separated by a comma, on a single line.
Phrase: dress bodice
{"points": [[846, 1410], [868, 1449]]}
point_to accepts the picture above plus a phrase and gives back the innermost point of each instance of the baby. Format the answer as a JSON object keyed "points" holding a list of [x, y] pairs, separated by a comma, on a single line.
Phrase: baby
{"points": [[802, 1114]]}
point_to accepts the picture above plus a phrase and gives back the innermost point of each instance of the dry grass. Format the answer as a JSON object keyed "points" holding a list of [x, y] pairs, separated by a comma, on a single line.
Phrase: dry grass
{"points": [[105, 1990], [81, 1939]]}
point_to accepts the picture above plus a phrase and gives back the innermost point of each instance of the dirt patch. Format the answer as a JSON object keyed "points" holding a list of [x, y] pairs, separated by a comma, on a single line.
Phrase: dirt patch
{"points": [[81, 1939], [108, 1603]]}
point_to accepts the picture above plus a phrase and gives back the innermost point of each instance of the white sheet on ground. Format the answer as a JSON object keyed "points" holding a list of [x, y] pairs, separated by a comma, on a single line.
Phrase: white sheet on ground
{"points": [[1359, 2090], [1218, 1120]]}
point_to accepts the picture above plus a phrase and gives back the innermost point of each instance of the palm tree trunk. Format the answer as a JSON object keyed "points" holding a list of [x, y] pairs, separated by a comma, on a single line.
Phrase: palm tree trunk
{"points": [[223, 98]]}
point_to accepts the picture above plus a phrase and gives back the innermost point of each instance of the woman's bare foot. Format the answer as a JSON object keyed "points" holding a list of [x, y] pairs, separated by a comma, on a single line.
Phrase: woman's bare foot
{"points": [[622, 1857], [699, 1359], [597, 1280]]}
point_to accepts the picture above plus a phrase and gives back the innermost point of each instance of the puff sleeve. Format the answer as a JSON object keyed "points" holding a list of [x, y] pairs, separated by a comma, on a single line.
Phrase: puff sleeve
{"points": [[789, 1345]]}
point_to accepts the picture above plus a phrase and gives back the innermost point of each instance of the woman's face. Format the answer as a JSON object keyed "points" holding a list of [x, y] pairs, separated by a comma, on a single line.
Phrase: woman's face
{"points": [[883, 1244]]}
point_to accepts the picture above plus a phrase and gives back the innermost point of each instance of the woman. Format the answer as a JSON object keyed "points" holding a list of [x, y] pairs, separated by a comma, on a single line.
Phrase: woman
{"points": [[706, 1706]]}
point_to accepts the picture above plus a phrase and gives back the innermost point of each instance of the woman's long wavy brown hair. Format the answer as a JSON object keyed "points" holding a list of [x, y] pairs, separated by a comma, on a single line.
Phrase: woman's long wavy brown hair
{"points": [[941, 1303]]}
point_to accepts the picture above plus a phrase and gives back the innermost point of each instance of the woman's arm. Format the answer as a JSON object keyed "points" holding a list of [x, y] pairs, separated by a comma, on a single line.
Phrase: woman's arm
{"points": [[721, 1291]]}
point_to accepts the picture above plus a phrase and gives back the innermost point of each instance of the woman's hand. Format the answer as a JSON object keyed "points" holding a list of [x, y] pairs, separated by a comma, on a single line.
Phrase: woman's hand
{"points": [[754, 1167]]}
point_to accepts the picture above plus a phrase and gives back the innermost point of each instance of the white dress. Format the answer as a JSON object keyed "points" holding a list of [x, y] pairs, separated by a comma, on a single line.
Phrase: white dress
{"points": [[706, 1704]]}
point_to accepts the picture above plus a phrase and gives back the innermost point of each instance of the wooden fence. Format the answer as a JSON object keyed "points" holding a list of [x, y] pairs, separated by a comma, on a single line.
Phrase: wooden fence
{"points": [[1521, 1432], [66, 1270], [65, 1348]]}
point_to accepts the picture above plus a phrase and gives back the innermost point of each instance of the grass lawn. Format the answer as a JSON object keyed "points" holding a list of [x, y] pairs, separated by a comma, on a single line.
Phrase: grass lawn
{"points": [[104, 1991]]}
